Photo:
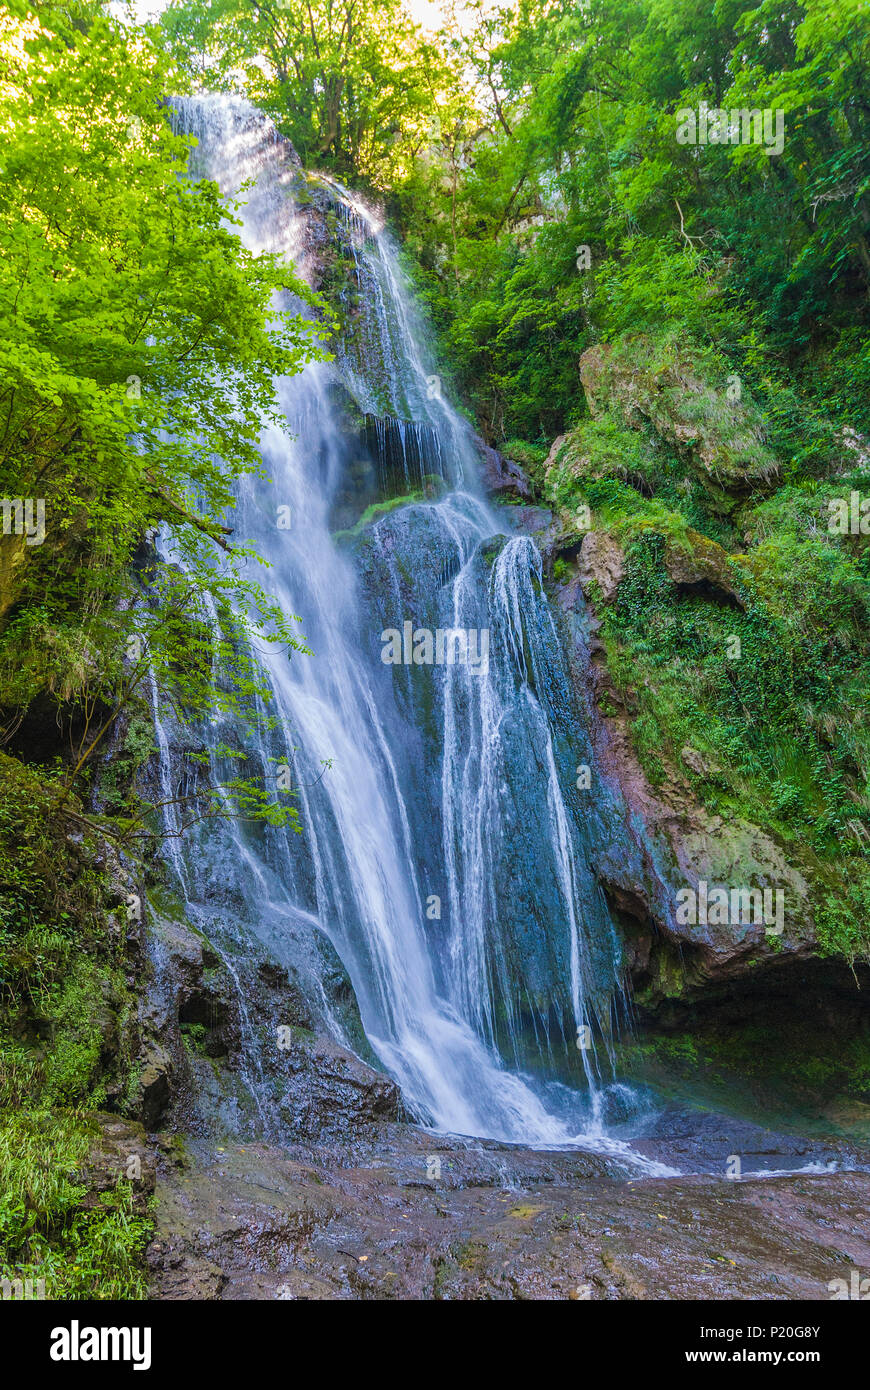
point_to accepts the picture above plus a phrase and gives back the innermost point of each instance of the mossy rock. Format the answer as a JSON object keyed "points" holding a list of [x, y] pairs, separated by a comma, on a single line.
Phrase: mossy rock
{"points": [[673, 387]]}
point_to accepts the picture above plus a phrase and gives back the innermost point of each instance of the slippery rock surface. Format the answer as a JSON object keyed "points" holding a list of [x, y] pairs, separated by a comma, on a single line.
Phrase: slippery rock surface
{"points": [[345, 1200], [254, 1222], [229, 1051]]}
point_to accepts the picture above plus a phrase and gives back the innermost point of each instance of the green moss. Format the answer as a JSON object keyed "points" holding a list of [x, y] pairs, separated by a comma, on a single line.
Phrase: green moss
{"points": [[782, 727], [786, 1070], [470, 1256], [677, 388], [376, 510], [63, 987], [118, 774]]}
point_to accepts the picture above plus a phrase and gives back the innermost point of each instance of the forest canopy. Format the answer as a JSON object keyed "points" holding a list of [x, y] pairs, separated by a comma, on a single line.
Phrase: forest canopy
{"points": [[519, 143], [139, 342]]}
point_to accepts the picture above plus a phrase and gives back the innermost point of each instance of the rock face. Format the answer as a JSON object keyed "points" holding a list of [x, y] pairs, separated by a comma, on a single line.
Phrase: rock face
{"points": [[402, 565], [500, 476], [602, 563], [717, 432], [120, 1150], [700, 566], [666, 444], [246, 1051], [662, 841], [648, 844]]}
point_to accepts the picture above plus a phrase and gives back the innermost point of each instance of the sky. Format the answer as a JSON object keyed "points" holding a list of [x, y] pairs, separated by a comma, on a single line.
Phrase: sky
{"points": [[427, 13]]}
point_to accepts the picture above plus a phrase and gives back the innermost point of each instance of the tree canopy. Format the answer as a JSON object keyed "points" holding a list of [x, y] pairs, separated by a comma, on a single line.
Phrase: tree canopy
{"points": [[139, 342]]}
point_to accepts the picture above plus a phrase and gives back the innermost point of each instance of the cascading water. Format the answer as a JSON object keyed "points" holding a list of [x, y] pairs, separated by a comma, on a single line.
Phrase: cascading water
{"points": [[445, 782]]}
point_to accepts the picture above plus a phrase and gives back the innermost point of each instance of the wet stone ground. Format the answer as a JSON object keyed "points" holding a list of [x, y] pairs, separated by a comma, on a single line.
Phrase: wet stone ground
{"points": [[419, 1217]]}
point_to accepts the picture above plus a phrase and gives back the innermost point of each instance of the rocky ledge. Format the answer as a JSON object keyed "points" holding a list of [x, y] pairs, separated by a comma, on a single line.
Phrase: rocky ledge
{"points": [[428, 1218]]}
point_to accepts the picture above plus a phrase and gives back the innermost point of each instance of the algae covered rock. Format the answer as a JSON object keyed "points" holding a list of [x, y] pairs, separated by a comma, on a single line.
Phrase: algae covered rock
{"points": [[664, 386]]}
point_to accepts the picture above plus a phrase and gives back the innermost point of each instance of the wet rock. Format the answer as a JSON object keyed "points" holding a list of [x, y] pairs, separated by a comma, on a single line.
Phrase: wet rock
{"points": [[656, 842], [329, 1093], [257, 1222], [500, 476], [154, 1091], [120, 1151], [541, 526], [705, 1142], [246, 1053]]}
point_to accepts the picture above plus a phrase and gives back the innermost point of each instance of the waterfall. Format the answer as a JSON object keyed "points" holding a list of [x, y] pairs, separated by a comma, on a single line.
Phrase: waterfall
{"points": [[418, 783], [483, 715]]}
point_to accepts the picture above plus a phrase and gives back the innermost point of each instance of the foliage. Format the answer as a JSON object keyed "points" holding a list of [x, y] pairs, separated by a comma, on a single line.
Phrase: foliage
{"points": [[63, 989], [350, 82], [138, 348], [569, 141], [139, 344], [783, 729], [82, 1252], [67, 1010]]}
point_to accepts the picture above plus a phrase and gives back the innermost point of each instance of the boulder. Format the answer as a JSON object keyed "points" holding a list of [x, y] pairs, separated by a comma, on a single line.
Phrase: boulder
{"points": [[500, 476], [721, 439], [702, 567], [602, 562]]}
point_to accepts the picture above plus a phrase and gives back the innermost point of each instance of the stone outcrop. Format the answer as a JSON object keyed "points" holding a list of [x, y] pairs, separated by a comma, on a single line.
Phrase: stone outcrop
{"points": [[720, 437], [500, 476], [697, 566], [234, 1052], [663, 840], [601, 563]]}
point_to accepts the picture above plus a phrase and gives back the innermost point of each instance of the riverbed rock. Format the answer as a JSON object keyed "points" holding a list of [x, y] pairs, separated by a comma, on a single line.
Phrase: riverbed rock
{"points": [[444, 1219]]}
